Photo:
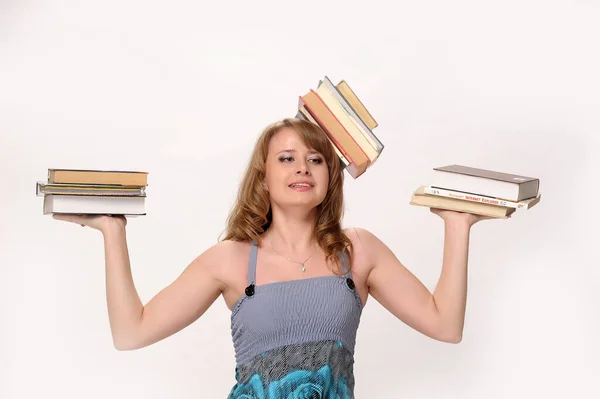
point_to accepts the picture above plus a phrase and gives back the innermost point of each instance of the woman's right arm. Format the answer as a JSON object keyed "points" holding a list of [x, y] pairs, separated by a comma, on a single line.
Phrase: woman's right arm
{"points": [[134, 325]]}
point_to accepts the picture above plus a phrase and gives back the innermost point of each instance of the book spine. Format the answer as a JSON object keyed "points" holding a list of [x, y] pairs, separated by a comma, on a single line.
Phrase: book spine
{"points": [[440, 192]]}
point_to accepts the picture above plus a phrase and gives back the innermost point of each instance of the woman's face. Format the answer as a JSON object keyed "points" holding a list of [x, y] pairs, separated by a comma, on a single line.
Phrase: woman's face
{"points": [[295, 174]]}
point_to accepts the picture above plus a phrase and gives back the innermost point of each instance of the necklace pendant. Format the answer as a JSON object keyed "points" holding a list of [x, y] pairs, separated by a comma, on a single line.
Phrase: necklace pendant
{"points": [[303, 268]]}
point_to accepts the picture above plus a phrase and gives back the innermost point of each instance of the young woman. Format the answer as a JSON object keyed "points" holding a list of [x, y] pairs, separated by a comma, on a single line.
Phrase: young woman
{"points": [[295, 280]]}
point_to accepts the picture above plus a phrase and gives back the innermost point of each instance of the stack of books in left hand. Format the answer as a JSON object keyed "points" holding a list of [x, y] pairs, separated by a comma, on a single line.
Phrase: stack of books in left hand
{"points": [[94, 192], [478, 191]]}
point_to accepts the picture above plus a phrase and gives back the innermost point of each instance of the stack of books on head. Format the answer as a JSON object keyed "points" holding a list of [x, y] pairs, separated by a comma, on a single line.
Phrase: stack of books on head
{"points": [[94, 192], [478, 191], [346, 121]]}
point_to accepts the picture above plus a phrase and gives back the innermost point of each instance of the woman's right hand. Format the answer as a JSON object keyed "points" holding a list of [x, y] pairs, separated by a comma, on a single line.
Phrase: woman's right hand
{"points": [[97, 222]]}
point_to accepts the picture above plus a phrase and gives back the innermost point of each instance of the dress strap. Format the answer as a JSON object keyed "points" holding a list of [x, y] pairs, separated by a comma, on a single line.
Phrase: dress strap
{"points": [[251, 270], [345, 266], [348, 271], [252, 263]]}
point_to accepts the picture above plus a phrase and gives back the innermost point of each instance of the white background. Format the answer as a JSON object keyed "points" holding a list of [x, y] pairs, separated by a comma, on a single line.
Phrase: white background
{"points": [[182, 89]]}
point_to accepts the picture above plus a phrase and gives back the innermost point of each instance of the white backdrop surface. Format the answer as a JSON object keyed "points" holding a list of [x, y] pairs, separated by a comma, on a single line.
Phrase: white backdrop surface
{"points": [[182, 90]]}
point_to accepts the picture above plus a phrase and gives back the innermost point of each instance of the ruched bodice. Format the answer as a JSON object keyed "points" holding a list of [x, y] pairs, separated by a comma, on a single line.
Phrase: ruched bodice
{"points": [[295, 339]]}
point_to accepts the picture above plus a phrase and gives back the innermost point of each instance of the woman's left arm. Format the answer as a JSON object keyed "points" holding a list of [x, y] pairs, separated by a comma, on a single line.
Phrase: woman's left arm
{"points": [[439, 315]]}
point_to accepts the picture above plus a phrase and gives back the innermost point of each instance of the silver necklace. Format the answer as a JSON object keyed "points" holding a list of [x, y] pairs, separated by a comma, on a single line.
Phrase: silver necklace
{"points": [[291, 260]]}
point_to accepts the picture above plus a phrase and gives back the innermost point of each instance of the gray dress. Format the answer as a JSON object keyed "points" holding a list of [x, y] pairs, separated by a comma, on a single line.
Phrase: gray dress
{"points": [[295, 339]]}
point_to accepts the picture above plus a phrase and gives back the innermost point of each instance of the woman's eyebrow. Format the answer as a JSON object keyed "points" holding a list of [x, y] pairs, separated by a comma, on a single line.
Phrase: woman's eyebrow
{"points": [[293, 150]]}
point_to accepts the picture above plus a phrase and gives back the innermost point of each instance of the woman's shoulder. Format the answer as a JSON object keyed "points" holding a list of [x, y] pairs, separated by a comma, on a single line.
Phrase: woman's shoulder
{"points": [[361, 239], [230, 249], [227, 259], [358, 235]]}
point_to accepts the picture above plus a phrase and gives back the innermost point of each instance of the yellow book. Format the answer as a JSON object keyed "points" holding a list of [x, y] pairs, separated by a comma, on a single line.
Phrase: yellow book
{"points": [[358, 106]]}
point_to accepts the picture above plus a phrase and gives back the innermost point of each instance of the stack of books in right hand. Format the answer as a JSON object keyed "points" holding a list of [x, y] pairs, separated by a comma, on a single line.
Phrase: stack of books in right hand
{"points": [[478, 191], [94, 192]]}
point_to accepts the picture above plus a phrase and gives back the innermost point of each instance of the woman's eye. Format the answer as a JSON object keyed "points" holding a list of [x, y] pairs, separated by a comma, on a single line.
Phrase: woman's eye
{"points": [[290, 159]]}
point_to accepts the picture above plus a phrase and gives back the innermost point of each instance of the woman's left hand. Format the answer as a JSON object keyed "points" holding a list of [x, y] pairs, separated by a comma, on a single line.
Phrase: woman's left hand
{"points": [[460, 217]]}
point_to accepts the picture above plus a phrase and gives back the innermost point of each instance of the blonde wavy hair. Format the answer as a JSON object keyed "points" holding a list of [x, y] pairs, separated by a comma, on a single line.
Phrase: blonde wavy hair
{"points": [[251, 214]]}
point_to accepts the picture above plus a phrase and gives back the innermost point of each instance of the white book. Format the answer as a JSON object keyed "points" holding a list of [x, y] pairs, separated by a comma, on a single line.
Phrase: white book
{"points": [[489, 183], [440, 192], [102, 205]]}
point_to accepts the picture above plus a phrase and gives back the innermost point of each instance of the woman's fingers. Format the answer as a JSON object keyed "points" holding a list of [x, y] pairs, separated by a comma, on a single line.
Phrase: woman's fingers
{"points": [[60, 216], [97, 222], [69, 218]]}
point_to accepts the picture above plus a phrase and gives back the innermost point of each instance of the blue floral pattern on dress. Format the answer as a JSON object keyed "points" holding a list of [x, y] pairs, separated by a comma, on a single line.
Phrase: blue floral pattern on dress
{"points": [[297, 384], [302, 384], [253, 389]]}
